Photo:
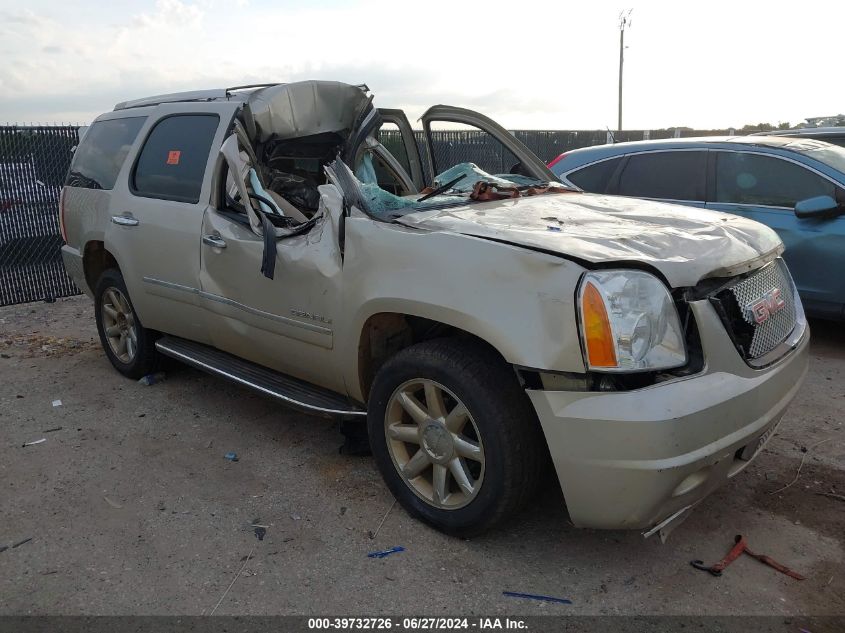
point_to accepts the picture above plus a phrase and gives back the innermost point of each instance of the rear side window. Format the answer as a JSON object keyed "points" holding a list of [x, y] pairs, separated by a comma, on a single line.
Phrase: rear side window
{"points": [[665, 175], [172, 162], [765, 180], [595, 178], [101, 153]]}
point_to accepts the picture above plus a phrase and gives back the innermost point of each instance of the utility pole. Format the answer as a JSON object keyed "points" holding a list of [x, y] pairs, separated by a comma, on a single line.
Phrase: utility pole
{"points": [[624, 21]]}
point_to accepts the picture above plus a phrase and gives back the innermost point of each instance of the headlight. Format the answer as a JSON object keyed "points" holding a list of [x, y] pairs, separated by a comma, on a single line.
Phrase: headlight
{"points": [[629, 322]]}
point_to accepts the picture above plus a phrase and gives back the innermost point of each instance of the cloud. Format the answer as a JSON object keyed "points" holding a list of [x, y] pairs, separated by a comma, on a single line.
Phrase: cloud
{"points": [[531, 65], [169, 14], [184, 45], [24, 17]]}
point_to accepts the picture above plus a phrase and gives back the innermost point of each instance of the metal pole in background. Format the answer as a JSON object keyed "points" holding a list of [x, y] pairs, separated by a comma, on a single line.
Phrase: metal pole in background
{"points": [[624, 21]]}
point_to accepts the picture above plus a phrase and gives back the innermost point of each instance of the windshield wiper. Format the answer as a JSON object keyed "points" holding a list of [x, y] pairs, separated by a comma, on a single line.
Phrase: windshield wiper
{"points": [[442, 188]]}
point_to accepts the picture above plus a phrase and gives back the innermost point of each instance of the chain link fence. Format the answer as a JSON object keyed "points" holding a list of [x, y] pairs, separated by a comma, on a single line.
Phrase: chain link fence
{"points": [[451, 147], [33, 165], [34, 162]]}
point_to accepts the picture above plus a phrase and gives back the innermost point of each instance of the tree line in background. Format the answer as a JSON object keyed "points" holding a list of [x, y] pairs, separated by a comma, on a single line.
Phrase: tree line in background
{"points": [[836, 120]]}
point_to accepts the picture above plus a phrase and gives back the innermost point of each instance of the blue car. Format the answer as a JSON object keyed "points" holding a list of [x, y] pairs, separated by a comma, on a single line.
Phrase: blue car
{"points": [[796, 186]]}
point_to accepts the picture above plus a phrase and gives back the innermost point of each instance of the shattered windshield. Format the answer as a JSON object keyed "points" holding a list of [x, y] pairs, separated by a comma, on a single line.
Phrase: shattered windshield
{"points": [[459, 185], [472, 174], [832, 155]]}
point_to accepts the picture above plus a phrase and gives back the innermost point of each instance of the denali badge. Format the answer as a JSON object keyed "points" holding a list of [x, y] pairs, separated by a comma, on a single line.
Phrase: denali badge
{"points": [[760, 310], [310, 315]]}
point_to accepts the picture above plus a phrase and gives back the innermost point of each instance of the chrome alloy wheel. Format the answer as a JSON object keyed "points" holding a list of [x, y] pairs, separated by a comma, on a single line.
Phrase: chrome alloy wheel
{"points": [[119, 324], [434, 443]]}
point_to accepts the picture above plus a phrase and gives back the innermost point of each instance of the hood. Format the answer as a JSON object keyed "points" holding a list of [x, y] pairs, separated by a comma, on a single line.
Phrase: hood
{"points": [[685, 244]]}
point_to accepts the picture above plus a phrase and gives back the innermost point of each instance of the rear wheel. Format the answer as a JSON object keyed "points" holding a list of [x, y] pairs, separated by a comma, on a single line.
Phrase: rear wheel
{"points": [[454, 435], [129, 345]]}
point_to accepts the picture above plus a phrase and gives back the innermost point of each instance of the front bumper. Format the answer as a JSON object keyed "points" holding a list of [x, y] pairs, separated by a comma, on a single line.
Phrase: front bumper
{"points": [[631, 459]]}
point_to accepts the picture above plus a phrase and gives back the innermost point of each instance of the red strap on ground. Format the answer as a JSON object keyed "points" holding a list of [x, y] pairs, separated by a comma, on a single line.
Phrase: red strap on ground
{"points": [[775, 565], [736, 552], [741, 547]]}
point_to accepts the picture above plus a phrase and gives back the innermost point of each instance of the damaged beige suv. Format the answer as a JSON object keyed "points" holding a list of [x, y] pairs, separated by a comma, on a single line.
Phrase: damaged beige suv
{"points": [[480, 316]]}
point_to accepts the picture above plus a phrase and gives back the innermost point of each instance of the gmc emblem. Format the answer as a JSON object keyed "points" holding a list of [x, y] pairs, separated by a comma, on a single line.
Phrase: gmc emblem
{"points": [[761, 309]]}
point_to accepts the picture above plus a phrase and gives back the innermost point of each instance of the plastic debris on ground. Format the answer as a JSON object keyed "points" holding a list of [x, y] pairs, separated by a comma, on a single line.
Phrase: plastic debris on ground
{"points": [[386, 552], [231, 456], [259, 529], [531, 596], [43, 439], [151, 379], [57, 403], [19, 543], [113, 504]]}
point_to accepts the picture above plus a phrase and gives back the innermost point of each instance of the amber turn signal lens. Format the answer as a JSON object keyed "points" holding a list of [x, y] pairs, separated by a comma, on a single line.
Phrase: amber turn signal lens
{"points": [[597, 333]]}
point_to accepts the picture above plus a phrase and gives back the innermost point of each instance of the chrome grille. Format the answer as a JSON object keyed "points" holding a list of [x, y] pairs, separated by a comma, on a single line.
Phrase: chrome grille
{"points": [[774, 322]]}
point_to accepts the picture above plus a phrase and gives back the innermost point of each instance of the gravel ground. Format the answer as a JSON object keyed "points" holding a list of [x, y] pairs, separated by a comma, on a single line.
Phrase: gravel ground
{"points": [[132, 508]]}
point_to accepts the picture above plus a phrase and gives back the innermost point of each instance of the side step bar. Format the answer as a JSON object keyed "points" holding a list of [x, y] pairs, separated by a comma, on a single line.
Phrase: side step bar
{"points": [[290, 391]]}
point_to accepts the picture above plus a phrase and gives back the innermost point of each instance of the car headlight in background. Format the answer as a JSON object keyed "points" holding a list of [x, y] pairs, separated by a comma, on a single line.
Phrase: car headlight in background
{"points": [[629, 322]]}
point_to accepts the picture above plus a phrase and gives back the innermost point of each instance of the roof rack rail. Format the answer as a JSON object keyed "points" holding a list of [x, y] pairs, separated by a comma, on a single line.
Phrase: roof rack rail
{"points": [[200, 95], [194, 95], [248, 86], [363, 87]]}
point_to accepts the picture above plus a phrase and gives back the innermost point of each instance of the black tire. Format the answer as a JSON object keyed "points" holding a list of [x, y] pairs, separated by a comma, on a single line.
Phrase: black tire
{"points": [[514, 449], [145, 358]]}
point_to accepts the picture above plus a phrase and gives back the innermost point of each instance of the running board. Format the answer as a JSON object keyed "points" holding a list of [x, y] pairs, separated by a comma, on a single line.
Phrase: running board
{"points": [[291, 391]]}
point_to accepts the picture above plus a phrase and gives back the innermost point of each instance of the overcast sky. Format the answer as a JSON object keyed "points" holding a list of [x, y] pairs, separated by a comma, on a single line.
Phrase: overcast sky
{"points": [[541, 65]]}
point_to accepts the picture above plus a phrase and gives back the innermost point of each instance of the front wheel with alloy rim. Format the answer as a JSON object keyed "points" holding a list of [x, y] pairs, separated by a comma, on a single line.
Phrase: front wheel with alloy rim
{"points": [[129, 346], [454, 435]]}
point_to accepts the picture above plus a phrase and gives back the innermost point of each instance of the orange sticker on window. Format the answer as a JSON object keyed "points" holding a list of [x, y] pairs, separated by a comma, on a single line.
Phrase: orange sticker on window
{"points": [[173, 157]]}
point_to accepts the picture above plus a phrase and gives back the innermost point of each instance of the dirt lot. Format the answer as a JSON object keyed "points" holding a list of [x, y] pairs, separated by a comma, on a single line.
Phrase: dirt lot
{"points": [[132, 508]]}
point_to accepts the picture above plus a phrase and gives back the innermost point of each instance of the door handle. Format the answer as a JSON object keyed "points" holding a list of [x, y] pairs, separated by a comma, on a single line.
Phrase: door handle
{"points": [[214, 240], [124, 220]]}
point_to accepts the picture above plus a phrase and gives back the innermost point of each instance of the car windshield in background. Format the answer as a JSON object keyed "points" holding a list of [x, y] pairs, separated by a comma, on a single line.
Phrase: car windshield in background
{"points": [[463, 178], [827, 153]]}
